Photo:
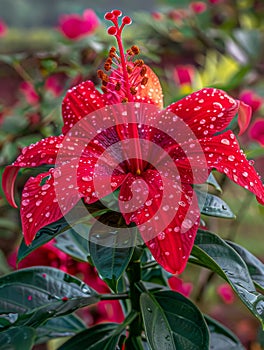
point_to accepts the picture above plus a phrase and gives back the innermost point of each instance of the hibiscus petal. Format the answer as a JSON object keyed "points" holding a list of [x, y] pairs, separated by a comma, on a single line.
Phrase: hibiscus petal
{"points": [[40, 205], [152, 91], [244, 117], [42, 152], [166, 214], [206, 111], [224, 154], [79, 102]]}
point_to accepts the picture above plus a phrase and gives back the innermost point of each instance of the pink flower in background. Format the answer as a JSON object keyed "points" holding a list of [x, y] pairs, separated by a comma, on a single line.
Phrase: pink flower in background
{"points": [[3, 29], [198, 7], [177, 284], [214, 2], [76, 26], [49, 255], [157, 16], [55, 84], [257, 131], [29, 92], [184, 74], [252, 99], [226, 293]]}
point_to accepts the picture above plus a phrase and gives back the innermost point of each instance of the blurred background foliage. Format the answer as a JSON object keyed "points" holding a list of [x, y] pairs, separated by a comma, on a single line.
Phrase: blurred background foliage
{"points": [[220, 45]]}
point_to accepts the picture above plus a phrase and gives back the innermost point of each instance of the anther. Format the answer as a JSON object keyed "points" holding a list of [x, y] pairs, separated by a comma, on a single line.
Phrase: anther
{"points": [[143, 71], [135, 49], [138, 63], [125, 99], [133, 90], [129, 70], [100, 74], [104, 89], [144, 81], [118, 86]]}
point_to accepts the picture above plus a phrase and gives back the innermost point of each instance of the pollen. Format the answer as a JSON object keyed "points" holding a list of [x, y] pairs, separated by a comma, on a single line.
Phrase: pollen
{"points": [[138, 172], [144, 81]]}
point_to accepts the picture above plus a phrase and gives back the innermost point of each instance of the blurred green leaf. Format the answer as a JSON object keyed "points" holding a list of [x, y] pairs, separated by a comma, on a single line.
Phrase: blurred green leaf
{"points": [[214, 253], [17, 338], [173, 322]]}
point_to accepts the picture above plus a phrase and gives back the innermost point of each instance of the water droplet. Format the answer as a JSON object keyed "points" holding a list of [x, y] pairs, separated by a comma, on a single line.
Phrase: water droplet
{"points": [[57, 173], [225, 141], [245, 174], [166, 207], [45, 187], [231, 158], [149, 202], [25, 202], [161, 236], [87, 178], [149, 309]]}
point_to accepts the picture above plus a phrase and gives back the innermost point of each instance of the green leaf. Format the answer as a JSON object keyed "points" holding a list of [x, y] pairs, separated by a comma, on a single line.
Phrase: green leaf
{"points": [[102, 336], [254, 265], [33, 295], [111, 249], [17, 338], [173, 322], [222, 338], [212, 205], [212, 181], [44, 235], [214, 253], [65, 326], [73, 243]]}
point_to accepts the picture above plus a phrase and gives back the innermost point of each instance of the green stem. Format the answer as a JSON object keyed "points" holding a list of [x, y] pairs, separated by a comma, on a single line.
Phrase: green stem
{"points": [[134, 276], [121, 296]]}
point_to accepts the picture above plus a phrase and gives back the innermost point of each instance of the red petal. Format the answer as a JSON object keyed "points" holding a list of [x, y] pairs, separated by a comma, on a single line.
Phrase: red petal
{"points": [[8, 183], [39, 203], [244, 117], [42, 152], [152, 91], [166, 214], [79, 102], [206, 111], [224, 154]]}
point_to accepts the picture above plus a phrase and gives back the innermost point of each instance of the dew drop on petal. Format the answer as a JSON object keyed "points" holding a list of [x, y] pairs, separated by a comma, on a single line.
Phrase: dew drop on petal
{"points": [[166, 207], [225, 141], [231, 158], [245, 174], [161, 236], [25, 202]]}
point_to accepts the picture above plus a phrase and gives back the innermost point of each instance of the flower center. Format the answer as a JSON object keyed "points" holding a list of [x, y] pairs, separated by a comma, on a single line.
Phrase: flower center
{"points": [[126, 72]]}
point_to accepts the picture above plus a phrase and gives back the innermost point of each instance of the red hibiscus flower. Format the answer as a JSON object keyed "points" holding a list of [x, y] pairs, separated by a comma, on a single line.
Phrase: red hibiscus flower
{"points": [[75, 27], [155, 155]]}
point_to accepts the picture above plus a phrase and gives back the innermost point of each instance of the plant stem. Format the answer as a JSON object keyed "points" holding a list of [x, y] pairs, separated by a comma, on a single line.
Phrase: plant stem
{"points": [[121, 296], [134, 276]]}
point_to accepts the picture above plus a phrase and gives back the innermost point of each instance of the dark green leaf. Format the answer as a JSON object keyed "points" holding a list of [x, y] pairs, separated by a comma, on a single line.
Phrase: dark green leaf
{"points": [[100, 337], [212, 205], [110, 248], [33, 295], [65, 326], [74, 243], [254, 265], [214, 253], [222, 338], [17, 338], [173, 322]]}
